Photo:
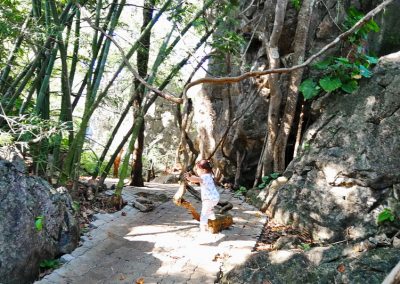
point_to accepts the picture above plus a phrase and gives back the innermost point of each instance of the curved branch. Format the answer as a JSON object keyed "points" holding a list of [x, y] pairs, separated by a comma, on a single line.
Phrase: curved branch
{"points": [[235, 79]]}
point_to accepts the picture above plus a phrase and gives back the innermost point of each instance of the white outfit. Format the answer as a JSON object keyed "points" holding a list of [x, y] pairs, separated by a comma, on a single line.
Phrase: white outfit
{"points": [[209, 198]]}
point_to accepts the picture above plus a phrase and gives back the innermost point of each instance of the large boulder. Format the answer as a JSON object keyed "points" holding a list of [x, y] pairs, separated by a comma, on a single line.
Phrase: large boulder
{"points": [[336, 264], [348, 171], [23, 245]]}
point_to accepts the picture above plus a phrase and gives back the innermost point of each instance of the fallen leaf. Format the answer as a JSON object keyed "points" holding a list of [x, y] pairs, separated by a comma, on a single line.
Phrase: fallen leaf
{"points": [[122, 277], [140, 281], [123, 213], [216, 257], [341, 268]]}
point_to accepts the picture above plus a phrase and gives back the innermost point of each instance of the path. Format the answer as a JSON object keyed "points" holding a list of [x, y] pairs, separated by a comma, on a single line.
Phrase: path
{"points": [[161, 246]]}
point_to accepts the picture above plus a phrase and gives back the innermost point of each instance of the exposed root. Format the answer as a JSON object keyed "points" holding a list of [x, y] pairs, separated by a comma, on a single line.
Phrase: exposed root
{"points": [[220, 223], [186, 204]]}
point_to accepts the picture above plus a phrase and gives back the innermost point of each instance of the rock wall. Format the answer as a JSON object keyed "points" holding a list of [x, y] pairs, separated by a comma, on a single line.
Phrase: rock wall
{"points": [[348, 169], [337, 264], [347, 173], [22, 245]]}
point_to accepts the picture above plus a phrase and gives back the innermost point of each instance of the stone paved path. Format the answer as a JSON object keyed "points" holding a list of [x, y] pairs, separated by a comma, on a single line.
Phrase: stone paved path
{"points": [[160, 246]]}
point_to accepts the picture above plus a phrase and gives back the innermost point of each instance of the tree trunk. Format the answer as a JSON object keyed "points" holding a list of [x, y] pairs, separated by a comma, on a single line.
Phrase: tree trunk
{"points": [[10, 61], [142, 64], [71, 164], [300, 42], [275, 99], [137, 124]]}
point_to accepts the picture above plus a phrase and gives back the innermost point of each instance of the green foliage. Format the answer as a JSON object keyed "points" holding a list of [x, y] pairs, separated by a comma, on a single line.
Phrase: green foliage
{"points": [[329, 84], [296, 4], [39, 223], [76, 206], [309, 88], [349, 86], [31, 127], [12, 16], [305, 246], [89, 161], [49, 264], [353, 16], [228, 42], [241, 191], [340, 72], [385, 215], [267, 179], [5, 138], [226, 39], [182, 13]]}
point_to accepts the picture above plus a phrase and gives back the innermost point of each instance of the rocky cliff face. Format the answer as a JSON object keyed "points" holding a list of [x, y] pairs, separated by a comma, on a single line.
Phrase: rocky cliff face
{"points": [[246, 104], [346, 175], [348, 169]]}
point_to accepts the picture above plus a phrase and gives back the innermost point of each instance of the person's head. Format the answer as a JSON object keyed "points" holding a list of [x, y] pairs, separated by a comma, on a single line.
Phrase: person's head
{"points": [[204, 166]]}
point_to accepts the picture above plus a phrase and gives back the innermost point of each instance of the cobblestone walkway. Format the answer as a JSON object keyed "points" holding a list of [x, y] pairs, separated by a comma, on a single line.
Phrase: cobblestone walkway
{"points": [[160, 246]]}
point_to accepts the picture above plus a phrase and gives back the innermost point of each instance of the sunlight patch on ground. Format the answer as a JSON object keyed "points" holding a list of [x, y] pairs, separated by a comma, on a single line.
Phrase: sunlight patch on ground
{"points": [[254, 213]]}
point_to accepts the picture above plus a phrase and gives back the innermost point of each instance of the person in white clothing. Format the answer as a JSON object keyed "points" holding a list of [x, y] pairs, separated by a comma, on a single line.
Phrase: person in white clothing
{"points": [[209, 193]]}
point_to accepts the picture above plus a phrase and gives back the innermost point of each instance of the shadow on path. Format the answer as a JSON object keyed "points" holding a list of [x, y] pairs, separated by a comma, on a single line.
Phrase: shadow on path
{"points": [[161, 246]]}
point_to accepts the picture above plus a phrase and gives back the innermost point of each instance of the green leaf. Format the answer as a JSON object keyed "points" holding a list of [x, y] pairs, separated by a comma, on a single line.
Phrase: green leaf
{"points": [[39, 223], [261, 185], [296, 4], [274, 175], [241, 191], [329, 84], [385, 215], [371, 59], [309, 89], [265, 179], [305, 246], [372, 26], [350, 86], [76, 206], [324, 64], [342, 60], [49, 263], [365, 72]]}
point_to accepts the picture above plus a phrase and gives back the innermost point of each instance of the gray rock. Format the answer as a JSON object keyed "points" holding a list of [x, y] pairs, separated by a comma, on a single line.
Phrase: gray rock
{"points": [[166, 179], [351, 164], [337, 264], [22, 245], [66, 258]]}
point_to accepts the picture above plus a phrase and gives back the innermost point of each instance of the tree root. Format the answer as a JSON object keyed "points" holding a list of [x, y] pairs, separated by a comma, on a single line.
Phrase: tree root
{"points": [[186, 204], [222, 221]]}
